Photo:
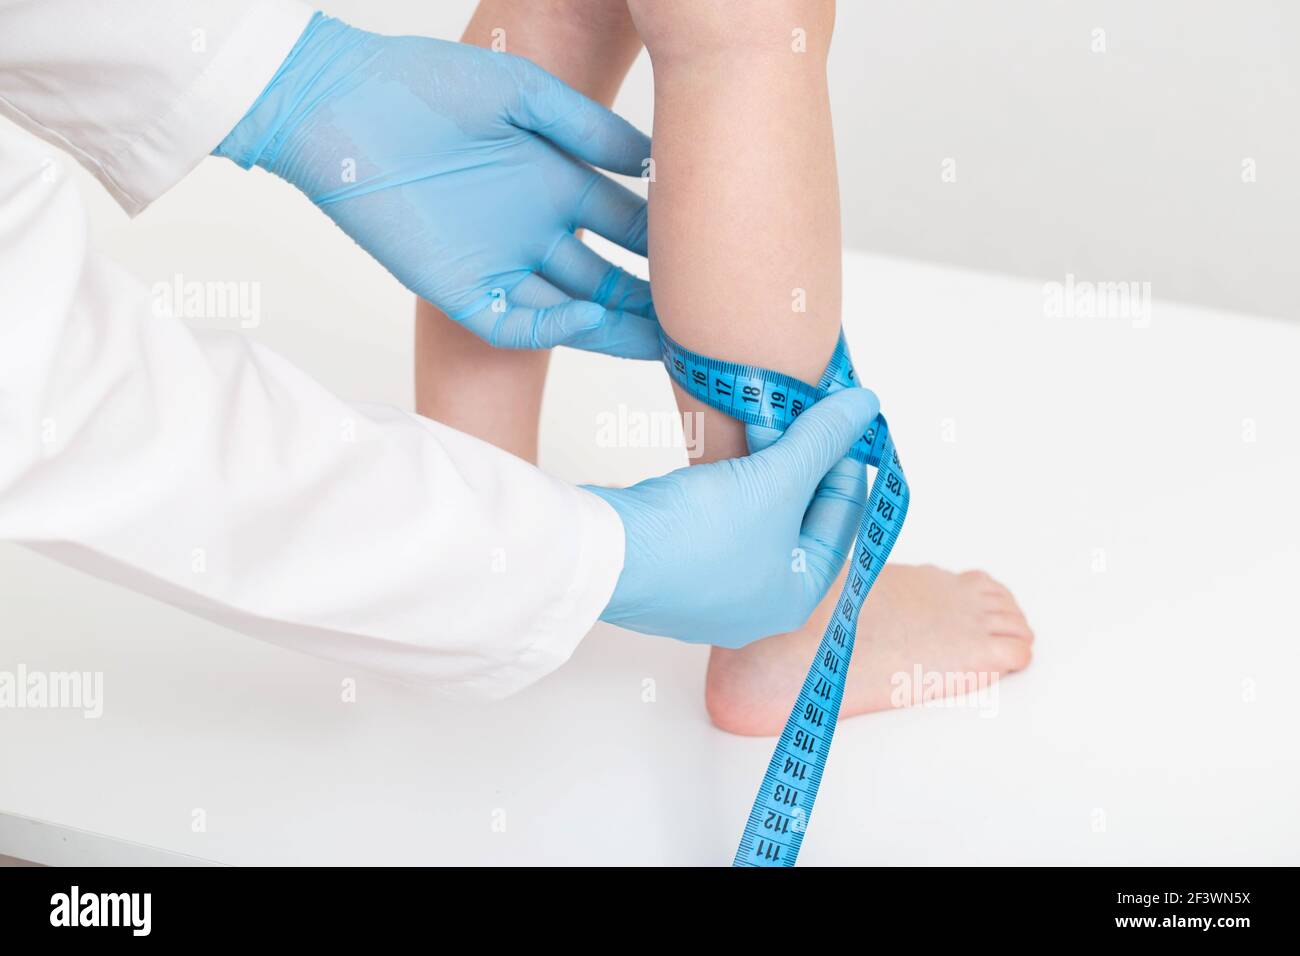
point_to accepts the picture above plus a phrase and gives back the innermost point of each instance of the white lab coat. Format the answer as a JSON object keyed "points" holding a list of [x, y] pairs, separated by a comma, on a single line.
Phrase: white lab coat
{"points": [[206, 470]]}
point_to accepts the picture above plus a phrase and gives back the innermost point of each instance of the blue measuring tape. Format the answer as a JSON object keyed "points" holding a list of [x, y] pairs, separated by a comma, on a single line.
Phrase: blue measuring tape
{"points": [[776, 825]]}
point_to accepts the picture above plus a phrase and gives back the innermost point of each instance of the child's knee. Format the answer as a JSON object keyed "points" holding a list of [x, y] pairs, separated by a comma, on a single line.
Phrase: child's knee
{"points": [[687, 29]]}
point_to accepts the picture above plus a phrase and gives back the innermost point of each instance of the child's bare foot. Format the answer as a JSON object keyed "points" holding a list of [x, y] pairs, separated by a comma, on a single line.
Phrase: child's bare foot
{"points": [[922, 616]]}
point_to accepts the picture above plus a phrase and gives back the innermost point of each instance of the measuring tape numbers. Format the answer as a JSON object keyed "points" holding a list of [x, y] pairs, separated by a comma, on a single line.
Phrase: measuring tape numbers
{"points": [[757, 396]]}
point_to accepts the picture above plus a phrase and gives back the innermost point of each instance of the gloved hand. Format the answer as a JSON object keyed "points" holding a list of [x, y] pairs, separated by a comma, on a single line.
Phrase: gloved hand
{"points": [[710, 553], [455, 167]]}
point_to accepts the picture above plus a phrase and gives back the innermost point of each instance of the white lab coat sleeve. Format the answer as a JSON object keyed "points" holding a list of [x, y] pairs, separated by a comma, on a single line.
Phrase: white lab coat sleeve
{"points": [[139, 91], [205, 470]]}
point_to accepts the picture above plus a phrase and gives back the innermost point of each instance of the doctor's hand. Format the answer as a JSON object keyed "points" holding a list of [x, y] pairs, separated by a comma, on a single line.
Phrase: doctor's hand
{"points": [[735, 550], [465, 173]]}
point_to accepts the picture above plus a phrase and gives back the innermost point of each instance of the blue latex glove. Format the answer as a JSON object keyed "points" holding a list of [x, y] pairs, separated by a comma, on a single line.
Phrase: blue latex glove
{"points": [[464, 172], [710, 549]]}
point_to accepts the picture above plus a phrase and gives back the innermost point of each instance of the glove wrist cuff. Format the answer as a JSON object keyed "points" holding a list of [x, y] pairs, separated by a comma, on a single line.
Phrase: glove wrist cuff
{"points": [[256, 138], [616, 499]]}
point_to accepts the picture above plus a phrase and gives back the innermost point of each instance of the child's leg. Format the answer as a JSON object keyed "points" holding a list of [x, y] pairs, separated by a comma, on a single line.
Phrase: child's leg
{"points": [[590, 44], [744, 230]]}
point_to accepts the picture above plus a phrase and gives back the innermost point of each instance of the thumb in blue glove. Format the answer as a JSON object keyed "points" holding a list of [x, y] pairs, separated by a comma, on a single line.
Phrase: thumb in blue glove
{"points": [[739, 549], [465, 173]]}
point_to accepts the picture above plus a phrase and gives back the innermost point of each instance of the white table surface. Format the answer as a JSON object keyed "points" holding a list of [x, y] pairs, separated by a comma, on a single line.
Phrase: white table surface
{"points": [[1157, 724]]}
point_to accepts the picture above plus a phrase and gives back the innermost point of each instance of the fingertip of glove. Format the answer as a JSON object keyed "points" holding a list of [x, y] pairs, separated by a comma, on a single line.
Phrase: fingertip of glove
{"points": [[859, 406], [633, 150], [582, 317], [863, 401]]}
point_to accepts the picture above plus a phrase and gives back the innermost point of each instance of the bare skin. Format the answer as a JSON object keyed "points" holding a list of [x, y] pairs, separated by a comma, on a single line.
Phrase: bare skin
{"points": [[744, 160]]}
